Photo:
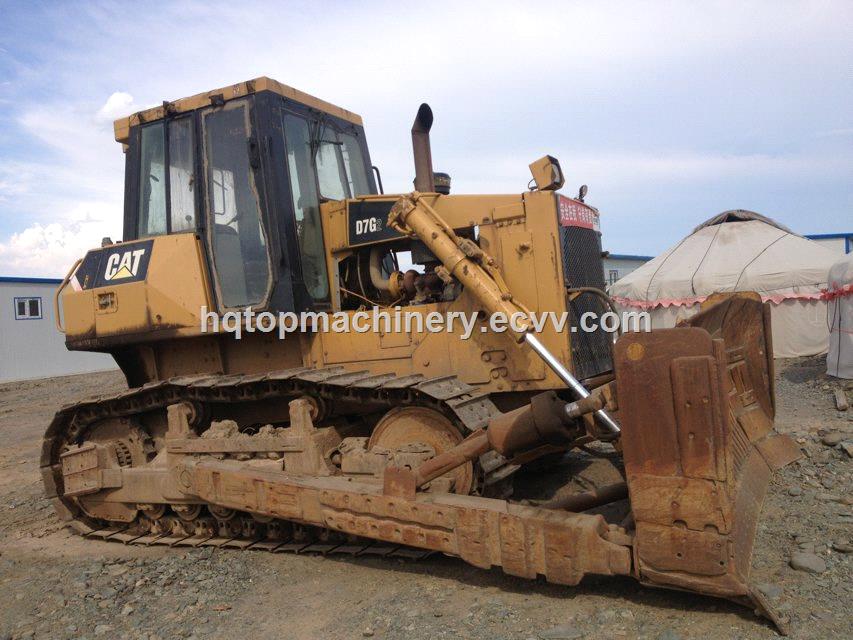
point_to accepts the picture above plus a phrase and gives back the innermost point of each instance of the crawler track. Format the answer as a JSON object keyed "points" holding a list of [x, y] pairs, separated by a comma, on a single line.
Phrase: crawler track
{"points": [[332, 387], [280, 539]]}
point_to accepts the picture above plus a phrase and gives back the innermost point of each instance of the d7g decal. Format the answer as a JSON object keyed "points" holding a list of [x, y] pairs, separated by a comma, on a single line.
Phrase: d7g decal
{"points": [[368, 221], [113, 265]]}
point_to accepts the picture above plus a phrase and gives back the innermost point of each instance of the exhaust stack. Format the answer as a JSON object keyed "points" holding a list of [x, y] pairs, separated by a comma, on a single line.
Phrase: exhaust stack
{"points": [[424, 178]]}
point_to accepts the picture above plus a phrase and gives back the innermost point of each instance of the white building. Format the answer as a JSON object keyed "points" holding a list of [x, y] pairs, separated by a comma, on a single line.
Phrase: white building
{"points": [[618, 265], [840, 242], [30, 344]]}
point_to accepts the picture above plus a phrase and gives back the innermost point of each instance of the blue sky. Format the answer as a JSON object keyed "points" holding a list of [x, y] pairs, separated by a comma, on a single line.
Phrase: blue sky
{"points": [[669, 111]]}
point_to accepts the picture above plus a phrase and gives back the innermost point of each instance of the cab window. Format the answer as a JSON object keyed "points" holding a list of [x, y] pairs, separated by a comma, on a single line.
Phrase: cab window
{"points": [[181, 175], [152, 180], [236, 233], [354, 165], [340, 165], [306, 205], [161, 144]]}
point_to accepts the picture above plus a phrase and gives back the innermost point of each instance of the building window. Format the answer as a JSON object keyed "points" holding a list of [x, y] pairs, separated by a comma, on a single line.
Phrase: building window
{"points": [[613, 276], [28, 308]]}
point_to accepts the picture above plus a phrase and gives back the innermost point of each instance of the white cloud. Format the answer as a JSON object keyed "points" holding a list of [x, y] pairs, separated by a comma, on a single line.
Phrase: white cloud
{"points": [[68, 198], [624, 171], [118, 105], [50, 249], [16, 179]]}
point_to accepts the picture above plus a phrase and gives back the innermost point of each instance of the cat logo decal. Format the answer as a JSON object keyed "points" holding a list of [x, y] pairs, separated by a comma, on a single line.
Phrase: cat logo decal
{"points": [[116, 264], [123, 265]]}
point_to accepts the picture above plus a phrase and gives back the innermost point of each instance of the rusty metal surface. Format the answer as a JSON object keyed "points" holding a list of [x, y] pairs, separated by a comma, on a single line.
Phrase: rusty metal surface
{"points": [[406, 425], [589, 499], [74, 422], [742, 321], [697, 407], [460, 456], [484, 532], [779, 451], [543, 421]]}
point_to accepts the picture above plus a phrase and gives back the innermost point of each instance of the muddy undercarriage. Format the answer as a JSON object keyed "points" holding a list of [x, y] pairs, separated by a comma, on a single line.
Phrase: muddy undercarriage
{"points": [[328, 460]]}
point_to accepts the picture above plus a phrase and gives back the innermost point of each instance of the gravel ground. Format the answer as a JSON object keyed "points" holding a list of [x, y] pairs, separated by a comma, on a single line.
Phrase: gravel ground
{"points": [[56, 585]]}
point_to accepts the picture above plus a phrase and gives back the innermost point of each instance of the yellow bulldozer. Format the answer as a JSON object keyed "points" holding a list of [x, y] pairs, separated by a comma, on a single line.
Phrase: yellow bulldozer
{"points": [[260, 199]]}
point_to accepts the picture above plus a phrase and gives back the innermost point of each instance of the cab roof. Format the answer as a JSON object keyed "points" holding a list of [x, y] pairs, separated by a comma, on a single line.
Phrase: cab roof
{"points": [[122, 125]]}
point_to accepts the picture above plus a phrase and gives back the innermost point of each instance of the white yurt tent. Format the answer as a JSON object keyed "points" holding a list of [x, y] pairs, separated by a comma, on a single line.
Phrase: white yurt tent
{"points": [[839, 359], [739, 251]]}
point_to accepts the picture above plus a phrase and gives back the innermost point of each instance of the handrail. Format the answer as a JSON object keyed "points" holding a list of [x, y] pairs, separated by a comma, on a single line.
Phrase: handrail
{"points": [[59, 289]]}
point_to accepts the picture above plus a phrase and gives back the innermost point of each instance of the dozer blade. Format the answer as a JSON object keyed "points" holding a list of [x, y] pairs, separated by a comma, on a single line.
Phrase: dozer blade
{"points": [[696, 406]]}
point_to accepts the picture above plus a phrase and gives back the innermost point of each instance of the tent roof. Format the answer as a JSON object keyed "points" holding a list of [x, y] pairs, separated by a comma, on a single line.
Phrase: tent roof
{"points": [[733, 251], [741, 215]]}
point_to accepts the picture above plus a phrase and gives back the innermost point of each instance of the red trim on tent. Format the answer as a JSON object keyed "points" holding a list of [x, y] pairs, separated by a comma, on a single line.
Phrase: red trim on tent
{"points": [[678, 302], [832, 294]]}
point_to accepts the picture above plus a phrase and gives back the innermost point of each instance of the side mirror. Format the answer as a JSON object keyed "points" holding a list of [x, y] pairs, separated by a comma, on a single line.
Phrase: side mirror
{"points": [[547, 173]]}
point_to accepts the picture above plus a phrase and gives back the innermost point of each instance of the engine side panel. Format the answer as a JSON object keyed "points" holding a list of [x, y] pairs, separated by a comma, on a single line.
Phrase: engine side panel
{"points": [[137, 292]]}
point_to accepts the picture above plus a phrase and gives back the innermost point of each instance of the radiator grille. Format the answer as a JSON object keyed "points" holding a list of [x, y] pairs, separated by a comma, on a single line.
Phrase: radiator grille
{"points": [[582, 267]]}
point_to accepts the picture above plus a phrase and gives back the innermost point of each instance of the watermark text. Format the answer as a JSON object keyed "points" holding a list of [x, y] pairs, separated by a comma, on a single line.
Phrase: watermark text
{"points": [[402, 320]]}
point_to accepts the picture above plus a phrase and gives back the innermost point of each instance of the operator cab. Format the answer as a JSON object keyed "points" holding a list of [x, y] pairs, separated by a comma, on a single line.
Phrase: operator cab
{"points": [[248, 167]]}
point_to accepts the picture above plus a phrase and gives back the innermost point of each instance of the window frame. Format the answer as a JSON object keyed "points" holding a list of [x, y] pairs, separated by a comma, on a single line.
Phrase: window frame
{"points": [[207, 215], [166, 123], [28, 299], [310, 122], [314, 120], [368, 171], [326, 122]]}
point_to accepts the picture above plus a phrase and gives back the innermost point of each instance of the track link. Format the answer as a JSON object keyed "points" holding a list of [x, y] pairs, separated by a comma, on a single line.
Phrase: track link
{"points": [[314, 543], [469, 408]]}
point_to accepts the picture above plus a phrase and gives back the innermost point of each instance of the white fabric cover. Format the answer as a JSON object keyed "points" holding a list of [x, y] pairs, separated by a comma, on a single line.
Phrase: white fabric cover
{"points": [[753, 254], [799, 327], [839, 359]]}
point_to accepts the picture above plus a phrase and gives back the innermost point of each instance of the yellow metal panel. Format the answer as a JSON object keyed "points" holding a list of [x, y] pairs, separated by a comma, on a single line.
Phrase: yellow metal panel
{"points": [[170, 297], [130, 312], [176, 285], [78, 312], [339, 348]]}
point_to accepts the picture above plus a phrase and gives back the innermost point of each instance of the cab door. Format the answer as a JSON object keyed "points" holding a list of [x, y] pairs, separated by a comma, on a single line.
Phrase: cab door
{"points": [[236, 233]]}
